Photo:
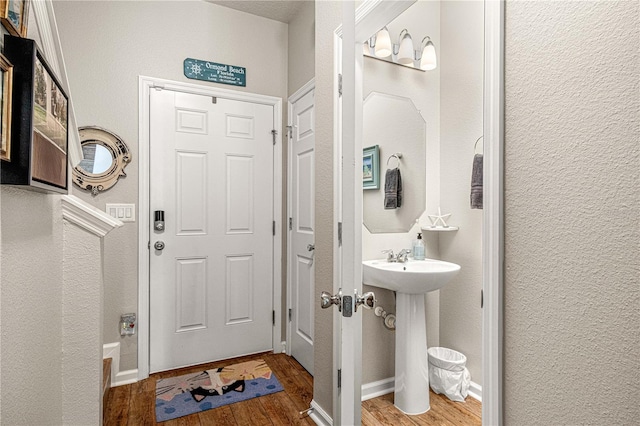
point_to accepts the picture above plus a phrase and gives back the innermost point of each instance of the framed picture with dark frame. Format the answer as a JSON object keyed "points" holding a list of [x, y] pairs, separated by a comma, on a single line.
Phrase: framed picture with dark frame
{"points": [[371, 167], [14, 15], [39, 123], [6, 80]]}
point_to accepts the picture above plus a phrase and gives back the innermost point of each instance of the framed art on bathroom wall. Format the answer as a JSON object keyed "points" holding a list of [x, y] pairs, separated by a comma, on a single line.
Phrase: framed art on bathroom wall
{"points": [[6, 82], [14, 15], [371, 167], [39, 121]]}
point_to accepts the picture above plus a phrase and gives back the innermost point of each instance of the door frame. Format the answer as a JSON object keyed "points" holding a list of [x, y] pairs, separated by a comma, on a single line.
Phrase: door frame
{"points": [[370, 16], [306, 88], [145, 85]]}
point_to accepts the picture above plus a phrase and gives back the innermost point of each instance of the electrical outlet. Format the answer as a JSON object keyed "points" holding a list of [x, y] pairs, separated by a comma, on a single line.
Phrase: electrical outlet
{"points": [[128, 324], [123, 212]]}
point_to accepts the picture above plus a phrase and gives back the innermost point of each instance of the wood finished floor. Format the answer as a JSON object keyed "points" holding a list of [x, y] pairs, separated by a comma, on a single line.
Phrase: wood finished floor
{"points": [[133, 405]]}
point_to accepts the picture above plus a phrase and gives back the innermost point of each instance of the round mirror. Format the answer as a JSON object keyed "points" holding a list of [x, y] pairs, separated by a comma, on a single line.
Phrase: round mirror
{"points": [[105, 157], [97, 158]]}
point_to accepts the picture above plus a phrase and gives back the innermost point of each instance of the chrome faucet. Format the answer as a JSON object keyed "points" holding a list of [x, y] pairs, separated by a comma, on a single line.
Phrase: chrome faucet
{"points": [[400, 257], [390, 256]]}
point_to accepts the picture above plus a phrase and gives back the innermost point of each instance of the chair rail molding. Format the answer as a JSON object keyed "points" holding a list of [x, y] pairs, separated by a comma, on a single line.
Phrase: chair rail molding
{"points": [[88, 217]]}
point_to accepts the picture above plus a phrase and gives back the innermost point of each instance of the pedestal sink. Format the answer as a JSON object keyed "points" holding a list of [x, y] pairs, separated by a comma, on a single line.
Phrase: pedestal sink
{"points": [[410, 280]]}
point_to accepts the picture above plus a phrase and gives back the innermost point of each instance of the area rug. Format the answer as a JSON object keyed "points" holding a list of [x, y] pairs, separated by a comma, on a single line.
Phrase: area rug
{"points": [[204, 390]]}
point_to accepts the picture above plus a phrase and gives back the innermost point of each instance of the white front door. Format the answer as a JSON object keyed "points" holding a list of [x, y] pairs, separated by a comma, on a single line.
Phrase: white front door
{"points": [[301, 228], [211, 279]]}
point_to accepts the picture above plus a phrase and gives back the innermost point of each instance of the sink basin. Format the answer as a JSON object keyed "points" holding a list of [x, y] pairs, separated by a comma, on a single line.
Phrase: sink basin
{"points": [[412, 277], [411, 280]]}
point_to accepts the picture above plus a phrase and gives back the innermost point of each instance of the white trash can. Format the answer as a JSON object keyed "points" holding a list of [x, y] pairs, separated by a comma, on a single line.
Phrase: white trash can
{"points": [[448, 374]]}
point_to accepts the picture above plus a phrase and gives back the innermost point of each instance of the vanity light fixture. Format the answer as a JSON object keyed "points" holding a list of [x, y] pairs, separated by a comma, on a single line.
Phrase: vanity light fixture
{"points": [[402, 53], [427, 55], [381, 43]]}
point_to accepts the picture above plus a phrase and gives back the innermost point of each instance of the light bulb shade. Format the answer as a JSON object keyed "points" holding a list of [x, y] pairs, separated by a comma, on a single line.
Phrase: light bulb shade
{"points": [[383, 43], [405, 51], [429, 61]]}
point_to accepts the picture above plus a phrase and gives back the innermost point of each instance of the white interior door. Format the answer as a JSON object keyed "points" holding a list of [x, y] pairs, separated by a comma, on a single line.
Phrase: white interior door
{"points": [[350, 346], [211, 281], [301, 228]]}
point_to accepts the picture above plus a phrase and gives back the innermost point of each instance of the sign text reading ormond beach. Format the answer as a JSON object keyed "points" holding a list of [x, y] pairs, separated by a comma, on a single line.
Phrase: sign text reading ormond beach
{"points": [[214, 72]]}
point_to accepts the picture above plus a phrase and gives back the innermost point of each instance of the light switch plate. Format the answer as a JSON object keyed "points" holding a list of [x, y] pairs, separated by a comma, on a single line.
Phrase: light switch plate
{"points": [[123, 212]]}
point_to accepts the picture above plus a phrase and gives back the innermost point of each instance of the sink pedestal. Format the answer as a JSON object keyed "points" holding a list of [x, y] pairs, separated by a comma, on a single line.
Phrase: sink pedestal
{"points": [[412, 369], [411, 281]]}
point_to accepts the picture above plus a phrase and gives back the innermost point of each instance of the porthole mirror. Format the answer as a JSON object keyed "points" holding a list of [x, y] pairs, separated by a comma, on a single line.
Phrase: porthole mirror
{"points": [[105, 157]]}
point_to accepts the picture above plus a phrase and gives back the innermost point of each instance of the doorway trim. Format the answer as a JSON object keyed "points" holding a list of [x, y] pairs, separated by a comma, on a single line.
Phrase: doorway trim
{"points": [[493, 216], [372, 15], [306, 88], [145, 85]]}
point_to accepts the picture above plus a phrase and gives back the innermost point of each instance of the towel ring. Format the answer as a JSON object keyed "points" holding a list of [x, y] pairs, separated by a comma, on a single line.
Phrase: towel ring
{"points": [[475, 146], [397, 156]]}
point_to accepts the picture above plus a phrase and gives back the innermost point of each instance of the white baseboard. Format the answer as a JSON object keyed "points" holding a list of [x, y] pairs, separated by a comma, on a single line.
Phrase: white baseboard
{"points": [[379, 388], [126, 377], [475, 391], [112, 350], [385, 386], [319, 416]]}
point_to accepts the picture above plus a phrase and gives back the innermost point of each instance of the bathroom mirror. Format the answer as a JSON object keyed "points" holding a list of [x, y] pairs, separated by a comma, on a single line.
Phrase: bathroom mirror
{"points": [[105, 157], [396, 126]]}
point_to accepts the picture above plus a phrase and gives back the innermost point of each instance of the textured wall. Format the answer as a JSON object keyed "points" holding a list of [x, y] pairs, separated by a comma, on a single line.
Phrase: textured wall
{"points": [[328, 18], [302, 47], [124, 40], [31, 311], [461, 57], [572, 259], [81, 327]]}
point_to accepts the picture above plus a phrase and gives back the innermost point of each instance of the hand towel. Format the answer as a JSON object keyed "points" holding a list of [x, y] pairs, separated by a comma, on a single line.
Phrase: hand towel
{"points": [[476, 182], [392, 189]]}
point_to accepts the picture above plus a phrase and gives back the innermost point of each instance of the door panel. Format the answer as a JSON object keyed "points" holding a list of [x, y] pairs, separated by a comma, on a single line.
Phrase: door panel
{"points": [[239, 289], [239, 203], [211, 287], [191, 290], [191, 188], [302, 233]]}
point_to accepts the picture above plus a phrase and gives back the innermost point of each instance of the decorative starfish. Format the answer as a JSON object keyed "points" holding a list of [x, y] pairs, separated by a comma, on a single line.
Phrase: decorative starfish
{"points": [[439, 218]]}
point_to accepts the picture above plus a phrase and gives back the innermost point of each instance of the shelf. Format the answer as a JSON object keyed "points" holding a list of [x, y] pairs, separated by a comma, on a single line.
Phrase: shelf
{"points": [[439, 228]]}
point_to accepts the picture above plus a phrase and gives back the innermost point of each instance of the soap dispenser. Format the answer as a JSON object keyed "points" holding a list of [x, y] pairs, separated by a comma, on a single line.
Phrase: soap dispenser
{"points": [[418, 248]]}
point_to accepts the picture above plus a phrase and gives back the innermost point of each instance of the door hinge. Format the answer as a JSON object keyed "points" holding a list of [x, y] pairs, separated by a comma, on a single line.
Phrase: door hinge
{"points": [[158, 87], [339, 84], [148, 245], [274, 132], [290, 223], [290, 131], [273, 317], [339, 378], [289, 314], [481, 298], [214, 100], [274, 228], [339, 234]]}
